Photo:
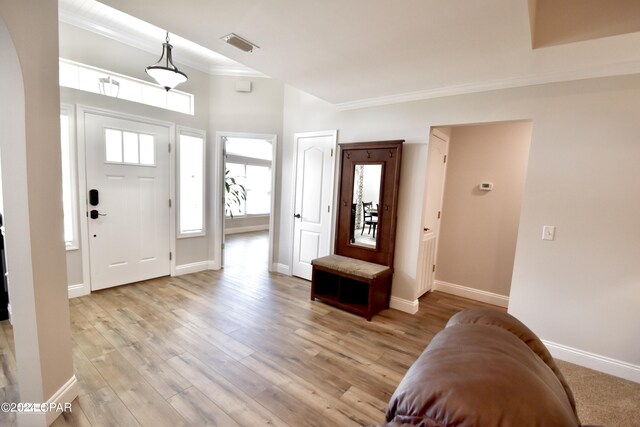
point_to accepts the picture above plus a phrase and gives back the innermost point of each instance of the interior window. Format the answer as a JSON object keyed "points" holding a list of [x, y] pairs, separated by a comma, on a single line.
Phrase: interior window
{"points": [[256, 180], [97, 80], [258, 190], [191, 183], [67, 151]]}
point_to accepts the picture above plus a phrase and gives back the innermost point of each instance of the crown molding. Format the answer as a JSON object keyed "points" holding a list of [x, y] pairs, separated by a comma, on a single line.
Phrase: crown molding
{"points": [[609, 70]]}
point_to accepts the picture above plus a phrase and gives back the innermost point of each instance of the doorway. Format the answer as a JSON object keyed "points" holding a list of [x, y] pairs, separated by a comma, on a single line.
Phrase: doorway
{"points": [[248, 176], [127, 165], [474, 209]]}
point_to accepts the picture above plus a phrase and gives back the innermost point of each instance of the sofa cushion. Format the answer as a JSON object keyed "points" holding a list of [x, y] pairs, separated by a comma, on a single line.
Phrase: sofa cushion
{"points": [[492, 317], [480, 375]]}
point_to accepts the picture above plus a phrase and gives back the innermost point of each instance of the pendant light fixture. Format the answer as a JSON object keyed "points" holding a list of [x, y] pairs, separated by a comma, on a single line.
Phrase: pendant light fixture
{"points": [[164, 72]]}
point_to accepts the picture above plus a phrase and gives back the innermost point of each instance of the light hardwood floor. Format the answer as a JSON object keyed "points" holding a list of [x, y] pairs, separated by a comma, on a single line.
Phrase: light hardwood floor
{"points": [[233, 347]]}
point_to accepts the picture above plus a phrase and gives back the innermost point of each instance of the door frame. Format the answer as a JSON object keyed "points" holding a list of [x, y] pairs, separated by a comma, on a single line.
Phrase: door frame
{"points": [[334, 194], [217, 215], [81, 112]]}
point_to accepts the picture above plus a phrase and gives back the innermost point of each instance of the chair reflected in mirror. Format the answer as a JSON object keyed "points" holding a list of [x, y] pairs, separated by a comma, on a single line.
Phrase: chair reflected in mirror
{"points": [[370, 217]]}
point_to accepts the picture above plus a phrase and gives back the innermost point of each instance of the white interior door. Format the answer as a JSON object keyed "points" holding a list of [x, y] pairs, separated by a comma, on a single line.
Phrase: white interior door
{"points": [[127, 162], [436, 171], [313, 199]]}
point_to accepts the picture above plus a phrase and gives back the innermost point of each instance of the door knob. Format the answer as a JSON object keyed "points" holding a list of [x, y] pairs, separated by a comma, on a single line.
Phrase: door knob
{"points": [[297, 216], [94, 214]]}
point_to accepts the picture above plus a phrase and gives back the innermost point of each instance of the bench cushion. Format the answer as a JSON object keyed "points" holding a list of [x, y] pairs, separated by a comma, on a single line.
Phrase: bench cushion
{"points": [[355, 267]]}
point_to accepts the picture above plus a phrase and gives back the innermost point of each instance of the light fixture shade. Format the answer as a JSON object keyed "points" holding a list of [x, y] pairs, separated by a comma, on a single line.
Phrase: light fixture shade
{"points": [[164, 71]]}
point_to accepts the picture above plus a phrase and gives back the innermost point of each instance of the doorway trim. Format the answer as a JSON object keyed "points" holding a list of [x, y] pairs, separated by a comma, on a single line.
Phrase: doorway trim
{"points": [[81, 112], [217, 215]]}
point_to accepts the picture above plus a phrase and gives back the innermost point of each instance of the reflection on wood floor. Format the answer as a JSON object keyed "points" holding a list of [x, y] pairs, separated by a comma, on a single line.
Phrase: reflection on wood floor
{"points": [[238, 346]]}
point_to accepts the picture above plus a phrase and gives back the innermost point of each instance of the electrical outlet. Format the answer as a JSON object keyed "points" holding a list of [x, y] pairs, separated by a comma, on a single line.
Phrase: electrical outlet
{"points": [[548, 232]]}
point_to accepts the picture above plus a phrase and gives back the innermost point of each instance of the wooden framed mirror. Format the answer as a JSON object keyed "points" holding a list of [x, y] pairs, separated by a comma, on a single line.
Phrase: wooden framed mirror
{"points": [[368, 199]]}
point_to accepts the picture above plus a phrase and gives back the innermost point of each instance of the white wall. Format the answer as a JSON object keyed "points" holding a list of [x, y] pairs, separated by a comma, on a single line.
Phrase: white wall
{"points": [[371, 185], [218, 107], [257, 112], [581, 290], [92, 49]]}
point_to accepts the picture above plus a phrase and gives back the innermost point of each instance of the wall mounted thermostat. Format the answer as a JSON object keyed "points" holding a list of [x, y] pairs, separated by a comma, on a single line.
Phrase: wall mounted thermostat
{"points": [[485, 186]]}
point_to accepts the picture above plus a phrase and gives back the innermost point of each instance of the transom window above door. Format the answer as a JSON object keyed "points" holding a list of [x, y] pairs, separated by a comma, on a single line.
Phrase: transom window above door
{"points": [[129, 148]]}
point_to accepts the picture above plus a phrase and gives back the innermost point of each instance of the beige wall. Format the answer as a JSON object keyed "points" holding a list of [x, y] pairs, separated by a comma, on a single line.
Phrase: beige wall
{"points": [[40, 305], [580, 290], [557, 22], [479, 229]]}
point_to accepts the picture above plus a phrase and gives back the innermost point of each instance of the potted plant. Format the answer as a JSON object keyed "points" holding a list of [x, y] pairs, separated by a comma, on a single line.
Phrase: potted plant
{"points": [[235, 193]]}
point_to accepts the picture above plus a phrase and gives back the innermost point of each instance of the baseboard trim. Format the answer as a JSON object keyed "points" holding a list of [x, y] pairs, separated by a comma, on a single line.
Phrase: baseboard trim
{"points": [[474, 294], [246, 229], [65, 395], [593, 361], [405, 305], [78, 290], [193, 267], [281, 268]]}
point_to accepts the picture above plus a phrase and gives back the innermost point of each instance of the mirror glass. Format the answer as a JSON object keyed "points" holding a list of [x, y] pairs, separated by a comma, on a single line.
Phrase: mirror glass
{"points": [[364, 208]]}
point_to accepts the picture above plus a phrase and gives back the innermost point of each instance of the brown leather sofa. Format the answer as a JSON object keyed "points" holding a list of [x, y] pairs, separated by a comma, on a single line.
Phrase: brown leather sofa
{"points": [[484, 369]]}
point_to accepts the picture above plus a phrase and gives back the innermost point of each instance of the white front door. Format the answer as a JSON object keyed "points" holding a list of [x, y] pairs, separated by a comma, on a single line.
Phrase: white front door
{"points": [[436, 171], [128, 209], [313, 199]]}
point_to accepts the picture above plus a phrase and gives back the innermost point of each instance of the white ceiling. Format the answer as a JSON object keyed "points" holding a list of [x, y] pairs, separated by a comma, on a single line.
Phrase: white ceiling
{"points": [[369, 52]]}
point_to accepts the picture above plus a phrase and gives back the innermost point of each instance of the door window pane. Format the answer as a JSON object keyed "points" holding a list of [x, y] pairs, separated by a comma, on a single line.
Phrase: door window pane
{"points": [[147, 151], [113, 143], [130, 143], [129, 148]]}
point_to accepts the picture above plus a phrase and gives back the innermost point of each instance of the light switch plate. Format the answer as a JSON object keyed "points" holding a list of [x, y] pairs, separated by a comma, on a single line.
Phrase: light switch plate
{"points": [[548, 232]]}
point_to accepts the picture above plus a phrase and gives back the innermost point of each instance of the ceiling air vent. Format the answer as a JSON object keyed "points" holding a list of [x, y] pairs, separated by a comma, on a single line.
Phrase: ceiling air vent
{"points": [[237, 41]]}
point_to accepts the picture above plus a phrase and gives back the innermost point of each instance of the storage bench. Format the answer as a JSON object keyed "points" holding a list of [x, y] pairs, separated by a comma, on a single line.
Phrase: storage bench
{"points": [[357, 286]]}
